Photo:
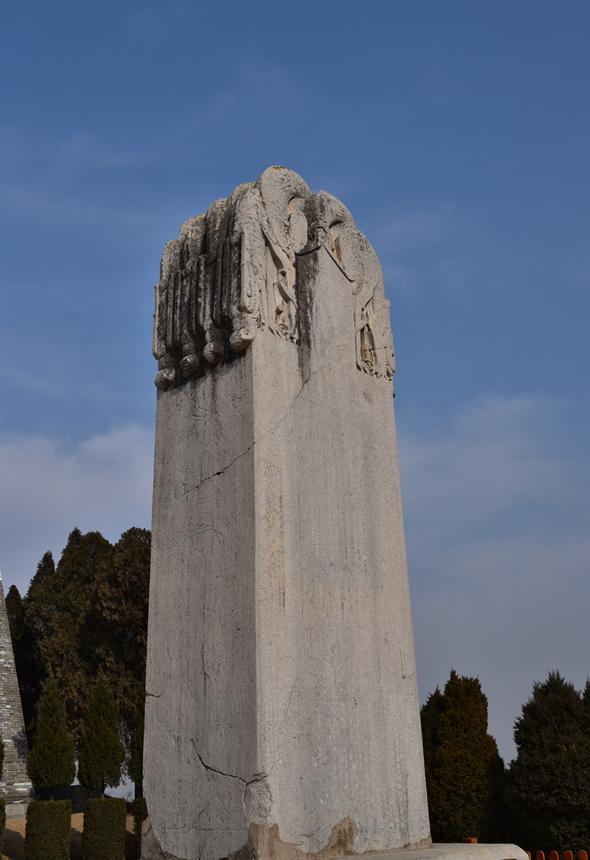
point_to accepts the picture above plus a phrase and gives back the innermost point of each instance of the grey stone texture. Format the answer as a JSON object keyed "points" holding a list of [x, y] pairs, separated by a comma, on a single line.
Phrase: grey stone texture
{"points": [[282, 715], [15, 785], [459, 851]]}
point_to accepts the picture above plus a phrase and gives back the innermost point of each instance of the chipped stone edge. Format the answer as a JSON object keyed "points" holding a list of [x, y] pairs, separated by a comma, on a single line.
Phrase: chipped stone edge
{"points": [[150, 847], [264, 843]]}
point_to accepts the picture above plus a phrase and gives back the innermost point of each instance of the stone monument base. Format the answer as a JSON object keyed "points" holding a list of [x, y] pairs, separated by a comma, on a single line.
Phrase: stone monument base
{"points": [[282, 851], [17, 799], [17, 809], [457, 851]]}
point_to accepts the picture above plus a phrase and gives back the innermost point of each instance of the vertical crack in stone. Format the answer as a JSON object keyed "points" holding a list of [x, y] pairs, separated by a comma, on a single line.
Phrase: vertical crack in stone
{"points": [[203, 660]]}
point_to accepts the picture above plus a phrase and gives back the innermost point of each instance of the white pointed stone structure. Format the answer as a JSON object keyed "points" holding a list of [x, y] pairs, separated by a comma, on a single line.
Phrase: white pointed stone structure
{"points": [[282, 711], [15, 786]]}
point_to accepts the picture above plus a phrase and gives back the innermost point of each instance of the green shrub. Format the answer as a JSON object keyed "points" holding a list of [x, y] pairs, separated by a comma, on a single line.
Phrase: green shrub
{"points": [[549, 781], [2, 819], [52, 759], [464, 771], [101, 750], [104, 829], [48, 830]]}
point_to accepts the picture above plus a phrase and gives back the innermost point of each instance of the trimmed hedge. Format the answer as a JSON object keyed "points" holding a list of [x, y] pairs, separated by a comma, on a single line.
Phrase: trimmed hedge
{"points": [[2, 819], [104, 829], [48, 830]]}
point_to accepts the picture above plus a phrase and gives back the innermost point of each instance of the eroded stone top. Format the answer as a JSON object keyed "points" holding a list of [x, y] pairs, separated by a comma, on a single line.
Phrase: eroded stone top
{"points": [[233, 271]]}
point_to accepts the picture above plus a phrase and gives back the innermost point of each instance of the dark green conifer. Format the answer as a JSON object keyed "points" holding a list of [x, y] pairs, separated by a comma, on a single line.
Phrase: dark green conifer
{"points": [[549, 781], [463, 768], [39, 602], [586, 705], [115, 633], [38, 610], [135, 762], [87, 615], [71, 602], [16, 614], [430, 715], [52, 757], [101, 752]]}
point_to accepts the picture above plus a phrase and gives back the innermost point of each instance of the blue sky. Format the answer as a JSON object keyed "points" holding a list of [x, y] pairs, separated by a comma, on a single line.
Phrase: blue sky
{"points": [[458, 135]]}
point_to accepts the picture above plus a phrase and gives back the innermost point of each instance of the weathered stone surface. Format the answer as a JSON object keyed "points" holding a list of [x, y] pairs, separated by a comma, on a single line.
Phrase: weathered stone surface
{"points": [[233, 271], [460, 851], [282, 711], [15, 786]]}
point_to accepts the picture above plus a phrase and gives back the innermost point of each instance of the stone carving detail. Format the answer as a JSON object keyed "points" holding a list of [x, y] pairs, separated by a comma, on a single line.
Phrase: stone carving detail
{"points": [[233, 271]]}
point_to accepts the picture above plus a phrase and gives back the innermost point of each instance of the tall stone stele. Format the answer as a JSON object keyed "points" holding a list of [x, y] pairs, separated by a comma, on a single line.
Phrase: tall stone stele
{"points": [[15, 786], [282, 712]]}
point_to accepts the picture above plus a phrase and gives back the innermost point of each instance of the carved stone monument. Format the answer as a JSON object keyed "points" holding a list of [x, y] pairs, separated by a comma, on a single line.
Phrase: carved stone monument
{"points": [[282, 711], [15, 785]]}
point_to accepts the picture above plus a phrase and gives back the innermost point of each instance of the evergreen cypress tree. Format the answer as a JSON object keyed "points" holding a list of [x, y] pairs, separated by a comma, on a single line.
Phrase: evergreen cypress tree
{"points": [[464, 771], [72, 599], [16, 614], [586, 705], [86, 615], [52, 758], [115, 633], [430, 715], [135, 762], [549, 781], [38, 606], [40, 597], [101, 752]]}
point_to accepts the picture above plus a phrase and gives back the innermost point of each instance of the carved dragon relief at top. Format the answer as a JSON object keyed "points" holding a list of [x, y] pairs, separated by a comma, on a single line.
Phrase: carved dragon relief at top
{"points": [[233, 271]]}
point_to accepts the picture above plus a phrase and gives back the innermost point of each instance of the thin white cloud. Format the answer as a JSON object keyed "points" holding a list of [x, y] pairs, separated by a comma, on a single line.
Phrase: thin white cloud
{"points": [[103, 483], [496, 510], [496, 456]]}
